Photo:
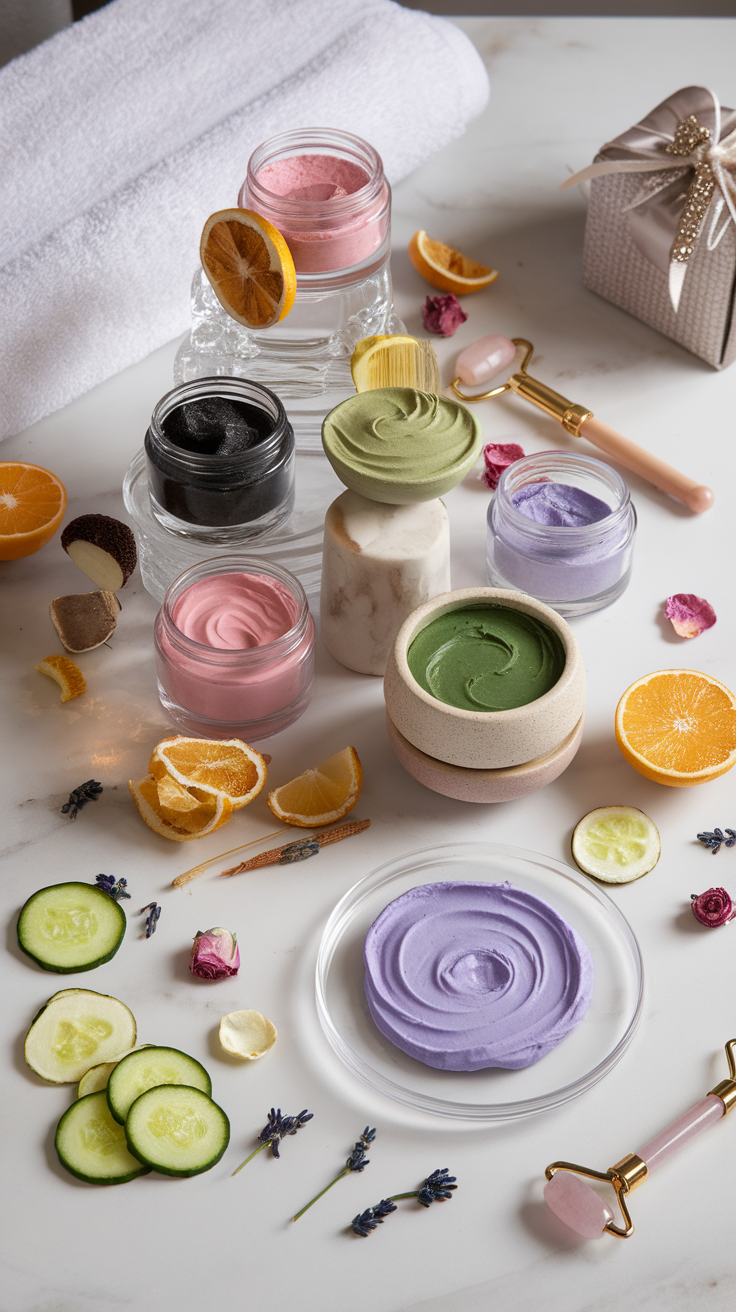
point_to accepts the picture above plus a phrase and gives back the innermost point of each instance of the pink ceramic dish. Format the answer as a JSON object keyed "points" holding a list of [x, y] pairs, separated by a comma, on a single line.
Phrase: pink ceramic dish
{"points": [[466, 785]]}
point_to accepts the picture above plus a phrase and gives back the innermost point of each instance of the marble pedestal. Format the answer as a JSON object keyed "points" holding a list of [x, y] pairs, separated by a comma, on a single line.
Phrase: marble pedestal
{"points": [[380, 562]]}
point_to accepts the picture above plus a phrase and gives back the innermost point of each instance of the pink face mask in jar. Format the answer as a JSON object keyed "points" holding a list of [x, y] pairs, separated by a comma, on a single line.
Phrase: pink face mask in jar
{"points": [[235, 649]]}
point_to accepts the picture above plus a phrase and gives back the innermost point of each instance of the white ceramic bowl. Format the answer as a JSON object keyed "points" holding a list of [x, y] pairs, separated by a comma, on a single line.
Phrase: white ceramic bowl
{"points": [[484, 740]]}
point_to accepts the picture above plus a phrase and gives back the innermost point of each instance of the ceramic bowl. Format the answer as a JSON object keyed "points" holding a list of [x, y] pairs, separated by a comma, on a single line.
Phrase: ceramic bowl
{"points": [[484, 740], [483, 785], [389, 471]]}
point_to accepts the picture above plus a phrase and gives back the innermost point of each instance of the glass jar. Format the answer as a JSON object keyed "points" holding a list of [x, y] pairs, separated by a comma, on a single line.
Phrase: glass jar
{"points": [[573, 569], [224, 497], [249, 691], [340, 240]]}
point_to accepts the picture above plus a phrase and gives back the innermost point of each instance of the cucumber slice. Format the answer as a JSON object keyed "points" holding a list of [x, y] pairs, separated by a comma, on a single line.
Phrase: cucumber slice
{"points": [[616, 844], [147, 1069], [92, 1146], [70, 927], [177, 1130], [96, 1077], [75, 1030]]}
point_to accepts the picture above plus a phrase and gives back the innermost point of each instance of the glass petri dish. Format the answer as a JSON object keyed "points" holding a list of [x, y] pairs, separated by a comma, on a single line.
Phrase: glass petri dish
{"points": [[575, 1065]]}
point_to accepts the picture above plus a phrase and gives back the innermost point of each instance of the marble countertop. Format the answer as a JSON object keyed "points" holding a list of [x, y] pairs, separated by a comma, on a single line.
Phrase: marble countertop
{"points": [[560, 87]]}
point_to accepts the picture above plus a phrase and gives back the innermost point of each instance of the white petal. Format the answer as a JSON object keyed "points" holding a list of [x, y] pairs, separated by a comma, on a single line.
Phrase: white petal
{"points": [[247, 1034]]}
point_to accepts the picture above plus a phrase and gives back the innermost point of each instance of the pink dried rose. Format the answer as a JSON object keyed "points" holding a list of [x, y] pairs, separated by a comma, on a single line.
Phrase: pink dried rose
{"points": [[712, 908], [690, 615], [497, 456], [215, 954], [443, 314]]}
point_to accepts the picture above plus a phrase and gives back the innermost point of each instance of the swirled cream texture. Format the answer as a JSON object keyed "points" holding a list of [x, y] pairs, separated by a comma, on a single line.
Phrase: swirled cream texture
{"points": [[235, 611], [398, 445], [486, 658], [463, 976]]}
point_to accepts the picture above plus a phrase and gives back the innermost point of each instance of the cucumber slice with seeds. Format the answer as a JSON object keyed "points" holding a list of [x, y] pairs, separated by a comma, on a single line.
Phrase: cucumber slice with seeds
{"points": [[92, 1146], [96, 1077], [70, 927], [147, 1069], [75, 1030], [177, 1130]]}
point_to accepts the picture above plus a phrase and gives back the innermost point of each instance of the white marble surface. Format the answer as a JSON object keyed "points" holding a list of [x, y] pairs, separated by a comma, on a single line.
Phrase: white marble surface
{"points": [[560, 88]]}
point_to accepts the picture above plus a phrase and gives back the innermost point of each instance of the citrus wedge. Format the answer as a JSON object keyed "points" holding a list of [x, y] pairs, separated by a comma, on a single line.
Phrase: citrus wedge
{"points": [[249, 266], [321, 795], [179, 826], [206, 767], [64, 672], [395, 361], [446, 268], [616, 844], [678, 727], [32, 505]]}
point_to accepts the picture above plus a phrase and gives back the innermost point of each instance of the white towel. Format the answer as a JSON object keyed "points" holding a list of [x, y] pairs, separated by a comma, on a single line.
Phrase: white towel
{"points": [[121, 134]]}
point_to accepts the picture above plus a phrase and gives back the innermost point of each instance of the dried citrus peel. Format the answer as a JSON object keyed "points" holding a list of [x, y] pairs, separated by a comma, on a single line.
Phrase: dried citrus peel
{"points": [[64, 672]]}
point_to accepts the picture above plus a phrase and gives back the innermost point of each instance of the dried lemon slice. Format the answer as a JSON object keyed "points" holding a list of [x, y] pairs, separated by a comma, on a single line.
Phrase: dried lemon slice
{"points": [[321, 795], [247, 1034], [250, 267], [616, 844]]}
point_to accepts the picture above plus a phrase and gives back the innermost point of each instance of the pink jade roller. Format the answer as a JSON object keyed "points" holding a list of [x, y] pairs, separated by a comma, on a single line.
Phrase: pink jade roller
{"points": [[584, 1211], [487, 357]]}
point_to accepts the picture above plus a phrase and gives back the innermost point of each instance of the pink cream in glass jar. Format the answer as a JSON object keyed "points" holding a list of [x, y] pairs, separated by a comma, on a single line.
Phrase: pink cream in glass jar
{"points": [[235, 649]]}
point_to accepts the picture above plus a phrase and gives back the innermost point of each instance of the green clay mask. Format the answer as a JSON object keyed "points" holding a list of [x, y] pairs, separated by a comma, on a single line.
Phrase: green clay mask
{"points": [[486, 658]]}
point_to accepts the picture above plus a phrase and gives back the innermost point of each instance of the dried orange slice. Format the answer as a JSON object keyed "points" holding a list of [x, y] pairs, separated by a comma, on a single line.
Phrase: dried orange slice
{"points": [[320, 795], [446, 268], [68, 675], [32, 505], [678, 727], [250, 267], [206, 767], [179, 826]]}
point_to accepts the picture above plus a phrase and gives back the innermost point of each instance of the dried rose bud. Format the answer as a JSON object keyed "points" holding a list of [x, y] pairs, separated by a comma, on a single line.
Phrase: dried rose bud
{"points": [[712, 908], [443, 314], [690, 615], [215, 954], [497, 457]]}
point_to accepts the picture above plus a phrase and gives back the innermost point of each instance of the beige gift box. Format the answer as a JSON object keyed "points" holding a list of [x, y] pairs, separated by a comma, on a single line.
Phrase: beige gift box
{"points": [[660, 239]]}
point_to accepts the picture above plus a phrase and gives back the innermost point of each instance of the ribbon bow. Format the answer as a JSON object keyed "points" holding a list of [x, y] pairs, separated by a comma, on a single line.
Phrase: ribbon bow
{"points": [[688, 134]]}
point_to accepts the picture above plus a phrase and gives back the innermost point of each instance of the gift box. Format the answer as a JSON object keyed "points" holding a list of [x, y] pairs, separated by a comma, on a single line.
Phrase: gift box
{"points": [[660, 239]]}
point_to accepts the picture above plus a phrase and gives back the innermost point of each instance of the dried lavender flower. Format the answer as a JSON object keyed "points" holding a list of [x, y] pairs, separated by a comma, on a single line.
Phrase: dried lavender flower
{"points": [[79, 797], [437, 1186], [372, 1217], [277, 1127], [713, 840], [154, 911], [357, 1161], [115, 888]]}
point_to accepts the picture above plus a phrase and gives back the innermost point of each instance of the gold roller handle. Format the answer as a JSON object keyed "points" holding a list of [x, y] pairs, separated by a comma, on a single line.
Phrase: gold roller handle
{"points": [[580, 422]]}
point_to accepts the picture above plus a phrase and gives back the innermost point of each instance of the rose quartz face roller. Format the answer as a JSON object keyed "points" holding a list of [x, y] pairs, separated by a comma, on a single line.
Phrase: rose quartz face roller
{"points": [[480, 362], [581, 1208]]}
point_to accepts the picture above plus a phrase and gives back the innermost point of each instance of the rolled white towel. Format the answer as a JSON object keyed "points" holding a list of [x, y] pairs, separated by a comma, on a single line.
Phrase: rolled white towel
{"points": [[125, 131]]}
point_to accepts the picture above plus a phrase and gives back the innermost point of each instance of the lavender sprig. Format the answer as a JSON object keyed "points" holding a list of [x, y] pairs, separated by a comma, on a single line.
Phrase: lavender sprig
{"points": [[372, 1217], [277, 1127], [713, 840], [79, 797], [357, 1161], [115, 888], [437, 1187], [154, 911]]}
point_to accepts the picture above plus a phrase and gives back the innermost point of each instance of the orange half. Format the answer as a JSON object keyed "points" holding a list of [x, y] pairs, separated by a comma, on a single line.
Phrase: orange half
{"points": [[444, 267], [250, 267], [32, 505], [678, 727]]}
